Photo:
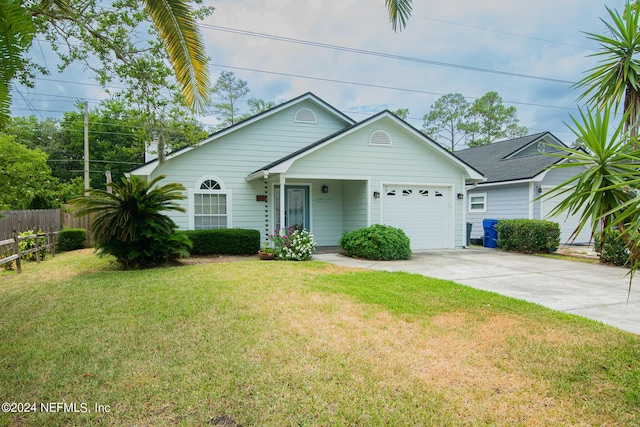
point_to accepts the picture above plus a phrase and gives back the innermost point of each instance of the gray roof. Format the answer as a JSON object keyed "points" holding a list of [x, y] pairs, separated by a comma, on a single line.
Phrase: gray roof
{"points": [[499, 161]]}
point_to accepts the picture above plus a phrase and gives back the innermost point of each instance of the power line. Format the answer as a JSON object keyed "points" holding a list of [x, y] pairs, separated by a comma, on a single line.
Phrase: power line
{"points": [[380, 54]]}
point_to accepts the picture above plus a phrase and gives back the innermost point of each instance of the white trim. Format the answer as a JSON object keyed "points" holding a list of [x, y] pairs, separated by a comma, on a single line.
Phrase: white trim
{"points": [[484, 203], [191, 192], [148, 168], [284, 166], [532, 196], [210, 177]]}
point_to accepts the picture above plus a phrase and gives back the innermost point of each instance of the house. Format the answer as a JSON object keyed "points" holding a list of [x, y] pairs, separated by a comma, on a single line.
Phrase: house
{"points": [[305, 163], [517, 174]]}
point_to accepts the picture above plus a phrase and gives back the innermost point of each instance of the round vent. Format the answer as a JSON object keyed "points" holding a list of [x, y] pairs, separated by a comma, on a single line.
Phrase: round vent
{"points": [[380, 137], [305, 115]]}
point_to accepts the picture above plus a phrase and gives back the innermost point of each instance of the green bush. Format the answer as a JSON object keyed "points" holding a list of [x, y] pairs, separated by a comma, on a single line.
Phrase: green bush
{"points": [[71, 239], [226, 241], [28, 244], [528, 235], [378, 242], [612, 250]]}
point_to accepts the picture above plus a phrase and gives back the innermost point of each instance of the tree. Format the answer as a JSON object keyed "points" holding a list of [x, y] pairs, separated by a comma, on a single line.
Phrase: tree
{"points": [[402, 113], [105, 32], [617, 77], [257, 105], [89, 31], [443, 121], [230, 89], [488, 120], [25, 178], [130, 223]]}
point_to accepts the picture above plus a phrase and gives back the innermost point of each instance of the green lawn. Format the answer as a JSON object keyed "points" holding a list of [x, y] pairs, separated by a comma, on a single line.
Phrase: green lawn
{"points": [[298, 344]]}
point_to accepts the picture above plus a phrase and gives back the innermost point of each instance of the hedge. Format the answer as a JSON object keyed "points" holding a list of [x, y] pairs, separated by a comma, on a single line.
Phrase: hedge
{"points": [[528, 235], [224, 241], [71, 239], [378, 242]]}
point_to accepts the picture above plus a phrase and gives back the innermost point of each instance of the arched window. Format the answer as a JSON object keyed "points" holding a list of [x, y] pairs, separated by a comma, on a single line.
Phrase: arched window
{"points": [[210, 205], [210, 184]]}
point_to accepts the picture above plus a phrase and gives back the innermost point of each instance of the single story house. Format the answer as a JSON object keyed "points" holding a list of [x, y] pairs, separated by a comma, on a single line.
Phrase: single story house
{"points": [[517, 174], [305, 163]]}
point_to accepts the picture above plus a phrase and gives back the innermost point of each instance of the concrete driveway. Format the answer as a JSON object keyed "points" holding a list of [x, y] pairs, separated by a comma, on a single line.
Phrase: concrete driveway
{"points": [[594, 291]]}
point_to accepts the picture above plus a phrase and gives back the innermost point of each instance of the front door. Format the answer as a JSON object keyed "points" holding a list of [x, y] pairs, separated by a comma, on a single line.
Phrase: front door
{"points": [[296, 204]]}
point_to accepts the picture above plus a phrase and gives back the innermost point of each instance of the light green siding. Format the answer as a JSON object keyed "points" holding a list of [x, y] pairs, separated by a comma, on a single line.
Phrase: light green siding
{"points": [[237, 154]]}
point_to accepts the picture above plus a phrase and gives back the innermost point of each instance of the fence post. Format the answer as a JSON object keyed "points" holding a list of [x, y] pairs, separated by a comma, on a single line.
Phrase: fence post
{"points": [[51, 240], [16, 250], [37, 242]]}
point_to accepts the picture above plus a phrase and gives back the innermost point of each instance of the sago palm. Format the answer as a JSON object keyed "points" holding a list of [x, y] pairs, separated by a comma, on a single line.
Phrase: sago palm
{"points": [[130, 223]]}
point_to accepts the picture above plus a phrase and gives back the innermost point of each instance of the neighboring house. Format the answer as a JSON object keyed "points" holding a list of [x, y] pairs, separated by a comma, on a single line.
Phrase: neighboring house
{"points": [[305, 163], [517, 174]]}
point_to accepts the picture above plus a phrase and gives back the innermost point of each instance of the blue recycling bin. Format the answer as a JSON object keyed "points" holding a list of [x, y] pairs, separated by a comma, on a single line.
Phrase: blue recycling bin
{"points": [[490, 233]]}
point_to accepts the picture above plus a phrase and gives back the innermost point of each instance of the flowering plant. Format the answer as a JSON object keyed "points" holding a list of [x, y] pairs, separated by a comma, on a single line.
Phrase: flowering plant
{"points": [[293, 244]]}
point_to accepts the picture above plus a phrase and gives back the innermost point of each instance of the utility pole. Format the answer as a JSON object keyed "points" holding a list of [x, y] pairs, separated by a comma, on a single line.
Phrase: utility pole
{"points": [[86, 147]]}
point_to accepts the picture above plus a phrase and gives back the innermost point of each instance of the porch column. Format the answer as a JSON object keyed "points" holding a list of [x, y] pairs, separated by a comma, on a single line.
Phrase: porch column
{"points": [[282, 206]]}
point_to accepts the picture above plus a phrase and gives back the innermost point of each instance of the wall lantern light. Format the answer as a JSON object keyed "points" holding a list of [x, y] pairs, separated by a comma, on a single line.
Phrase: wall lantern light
{"points": [[376, 194], [325, 189], [460, 196]]}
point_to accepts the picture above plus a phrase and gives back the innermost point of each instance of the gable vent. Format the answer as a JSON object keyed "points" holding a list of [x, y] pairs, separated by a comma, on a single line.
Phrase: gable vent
{"points": [[305, 115], [380, 137]]}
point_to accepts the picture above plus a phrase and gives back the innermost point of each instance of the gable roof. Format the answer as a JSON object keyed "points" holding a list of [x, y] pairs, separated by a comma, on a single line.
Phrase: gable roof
{"points": [[501, 162], [148, 167], [282, 165]]}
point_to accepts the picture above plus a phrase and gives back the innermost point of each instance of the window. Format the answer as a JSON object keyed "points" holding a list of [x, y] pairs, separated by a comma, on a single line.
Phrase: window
{"points": [[210, 205], [380, 138], [478, 202]]}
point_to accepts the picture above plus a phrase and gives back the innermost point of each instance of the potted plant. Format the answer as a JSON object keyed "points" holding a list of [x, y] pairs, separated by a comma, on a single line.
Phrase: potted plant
{"points": [[266, 253]]}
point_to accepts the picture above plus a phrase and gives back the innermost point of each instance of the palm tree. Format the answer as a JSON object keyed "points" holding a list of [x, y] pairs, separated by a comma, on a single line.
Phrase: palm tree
{"points": [[617, 77], [130, 223], [605, 189]]}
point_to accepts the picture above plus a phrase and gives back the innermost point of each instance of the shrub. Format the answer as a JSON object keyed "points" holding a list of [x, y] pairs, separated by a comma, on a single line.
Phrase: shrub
{"points": [[612, 250], [71, 239], [129, 223], [293, 244], [528, 235], [227, 241], [378, 242], [28, 244]]}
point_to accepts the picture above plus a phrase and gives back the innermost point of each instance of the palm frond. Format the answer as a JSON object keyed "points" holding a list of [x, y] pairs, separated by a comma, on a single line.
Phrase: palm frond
{"points": [[177, 27], [399, 13]]}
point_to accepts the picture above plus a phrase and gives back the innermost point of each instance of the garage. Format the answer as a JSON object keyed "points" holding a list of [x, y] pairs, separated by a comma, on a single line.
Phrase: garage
{"points": [[422, 212]]}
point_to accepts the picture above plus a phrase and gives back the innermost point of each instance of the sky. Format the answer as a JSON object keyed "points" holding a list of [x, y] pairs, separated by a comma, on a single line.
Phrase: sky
{"points": [[345, 52]]}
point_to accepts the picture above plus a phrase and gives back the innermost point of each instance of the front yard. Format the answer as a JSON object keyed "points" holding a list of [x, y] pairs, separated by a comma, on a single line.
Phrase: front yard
{"points": [[297, 344]]}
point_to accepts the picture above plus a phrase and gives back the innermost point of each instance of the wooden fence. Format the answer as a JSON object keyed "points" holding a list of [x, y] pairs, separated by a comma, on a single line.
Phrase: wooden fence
{"points": [[41, 219], [10, 248]]}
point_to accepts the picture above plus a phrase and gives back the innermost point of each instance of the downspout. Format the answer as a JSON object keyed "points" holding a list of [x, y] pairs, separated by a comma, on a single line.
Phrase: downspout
{"points": [[282, 205]]}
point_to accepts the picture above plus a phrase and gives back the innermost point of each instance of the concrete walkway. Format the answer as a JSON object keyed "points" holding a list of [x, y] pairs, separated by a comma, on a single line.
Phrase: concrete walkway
{"points": [[594, 291]]}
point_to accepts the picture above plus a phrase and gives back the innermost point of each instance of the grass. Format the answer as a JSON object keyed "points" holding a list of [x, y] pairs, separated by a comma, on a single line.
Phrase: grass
{"points": [[299, 344]]}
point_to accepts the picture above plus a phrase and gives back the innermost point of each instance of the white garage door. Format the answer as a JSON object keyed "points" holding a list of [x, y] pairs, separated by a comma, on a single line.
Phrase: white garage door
{"points": [[421, 212], [567, 223]]}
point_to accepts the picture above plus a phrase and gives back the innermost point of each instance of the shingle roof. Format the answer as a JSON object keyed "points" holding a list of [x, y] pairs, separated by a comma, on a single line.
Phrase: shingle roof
{"points": [[495, 163]]}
